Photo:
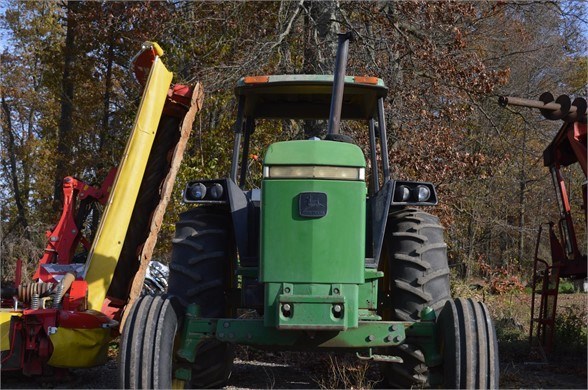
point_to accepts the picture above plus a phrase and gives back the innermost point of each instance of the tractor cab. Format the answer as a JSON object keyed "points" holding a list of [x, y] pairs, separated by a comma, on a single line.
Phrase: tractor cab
{"points": [[296, 97], [301, 97]]}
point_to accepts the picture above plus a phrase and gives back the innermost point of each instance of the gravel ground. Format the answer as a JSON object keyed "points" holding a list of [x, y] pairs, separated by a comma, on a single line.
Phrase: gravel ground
{"points": [[256, 374]]}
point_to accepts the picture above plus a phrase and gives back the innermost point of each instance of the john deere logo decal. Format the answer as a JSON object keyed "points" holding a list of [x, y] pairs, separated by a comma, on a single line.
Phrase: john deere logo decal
{"points": [[312, 204]]}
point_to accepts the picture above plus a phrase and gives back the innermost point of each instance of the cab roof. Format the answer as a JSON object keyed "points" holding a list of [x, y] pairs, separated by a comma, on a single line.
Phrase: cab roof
{"points": [[308, 96]]}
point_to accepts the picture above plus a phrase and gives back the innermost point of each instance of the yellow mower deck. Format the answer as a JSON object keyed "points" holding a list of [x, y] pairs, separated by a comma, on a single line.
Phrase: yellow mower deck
{"points": [[128, 230], [110, 238]]}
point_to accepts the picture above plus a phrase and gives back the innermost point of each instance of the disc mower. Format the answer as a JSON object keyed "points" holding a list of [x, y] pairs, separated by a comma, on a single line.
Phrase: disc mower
{"points": [[97, 254]]}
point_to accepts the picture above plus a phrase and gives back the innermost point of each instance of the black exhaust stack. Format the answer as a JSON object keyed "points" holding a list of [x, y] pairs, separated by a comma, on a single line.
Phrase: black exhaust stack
{"points": [[339, 82]]}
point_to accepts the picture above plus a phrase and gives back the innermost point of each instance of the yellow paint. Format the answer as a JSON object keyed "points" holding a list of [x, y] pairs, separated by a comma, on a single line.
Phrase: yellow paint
{"points": [[5, 317], [115, 221], [73, 348], [155, 45]]}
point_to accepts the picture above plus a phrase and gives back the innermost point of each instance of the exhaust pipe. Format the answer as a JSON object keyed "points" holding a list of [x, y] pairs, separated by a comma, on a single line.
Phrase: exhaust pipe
{"points": [[339, 82]]}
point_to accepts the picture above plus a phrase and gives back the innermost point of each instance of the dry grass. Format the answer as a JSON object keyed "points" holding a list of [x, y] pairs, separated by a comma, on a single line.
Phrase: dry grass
{"points": [[520, 367], [13, 247], [345, 372]]}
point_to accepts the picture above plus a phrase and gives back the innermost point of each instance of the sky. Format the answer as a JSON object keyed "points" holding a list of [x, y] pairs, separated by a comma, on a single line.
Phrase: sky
{"points": [[3, 32]]}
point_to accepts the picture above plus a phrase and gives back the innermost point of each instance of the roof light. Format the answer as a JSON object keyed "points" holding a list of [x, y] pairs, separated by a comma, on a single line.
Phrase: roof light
{"points": [[365, 80], [255, 79]]}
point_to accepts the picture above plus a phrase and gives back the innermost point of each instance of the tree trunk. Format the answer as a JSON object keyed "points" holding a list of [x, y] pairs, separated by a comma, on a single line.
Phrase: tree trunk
{"points": [[522, 190], [320, 48], [12, 168], [67, 103], [106, 101]]}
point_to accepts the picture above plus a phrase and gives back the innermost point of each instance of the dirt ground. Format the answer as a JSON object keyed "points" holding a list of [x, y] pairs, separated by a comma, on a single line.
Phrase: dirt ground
{"points": [[272, 373]]}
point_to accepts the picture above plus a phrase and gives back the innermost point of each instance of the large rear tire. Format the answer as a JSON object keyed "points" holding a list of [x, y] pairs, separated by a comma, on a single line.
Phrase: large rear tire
{"points": [[203, 249], [416, 275], [468, 345]]}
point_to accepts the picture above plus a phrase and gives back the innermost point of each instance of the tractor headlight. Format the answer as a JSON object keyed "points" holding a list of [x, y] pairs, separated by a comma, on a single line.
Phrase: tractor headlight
{"points": [[402, 193], [205, 191], [197, 191], [423, 193], [414, 193], [216, 191], [313, 172]]}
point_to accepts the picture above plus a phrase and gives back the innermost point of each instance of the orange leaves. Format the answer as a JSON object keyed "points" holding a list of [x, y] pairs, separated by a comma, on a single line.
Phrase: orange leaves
{"points": [[459, 39], [502, 279]]}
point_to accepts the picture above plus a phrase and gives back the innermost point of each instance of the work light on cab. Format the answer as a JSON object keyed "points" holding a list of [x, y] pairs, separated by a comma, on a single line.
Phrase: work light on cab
{"points": [[403, 193], [216, 191], [206, 192], [414, 194]]}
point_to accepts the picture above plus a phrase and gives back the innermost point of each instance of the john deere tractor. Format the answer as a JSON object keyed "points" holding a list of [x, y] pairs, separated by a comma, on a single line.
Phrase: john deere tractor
{"points": [[329, 254]]}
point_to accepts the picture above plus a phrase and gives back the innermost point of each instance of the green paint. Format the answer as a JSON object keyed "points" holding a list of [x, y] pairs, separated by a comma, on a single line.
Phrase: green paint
{"points": [[425, 335], [312, 265], [314, 153], [312, 306], [368, 334], [297, 249], [368, 295]]}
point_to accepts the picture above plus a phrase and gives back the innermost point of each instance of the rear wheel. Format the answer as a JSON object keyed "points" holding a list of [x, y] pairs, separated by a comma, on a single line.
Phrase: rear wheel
{"points": [[203, 249], [416, 275], [468, 346]]}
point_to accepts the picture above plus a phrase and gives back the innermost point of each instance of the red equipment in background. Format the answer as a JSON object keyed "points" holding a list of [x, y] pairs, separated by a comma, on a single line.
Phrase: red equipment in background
{"points": [[567, 148]]}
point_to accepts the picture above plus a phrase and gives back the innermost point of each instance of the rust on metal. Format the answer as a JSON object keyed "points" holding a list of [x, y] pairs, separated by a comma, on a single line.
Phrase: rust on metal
{"points": [[165, 195], [561, 108]]}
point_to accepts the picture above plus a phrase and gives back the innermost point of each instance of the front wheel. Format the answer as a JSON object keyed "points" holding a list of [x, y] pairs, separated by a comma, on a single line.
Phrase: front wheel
{"points": [[147, 344], [468, 345]]}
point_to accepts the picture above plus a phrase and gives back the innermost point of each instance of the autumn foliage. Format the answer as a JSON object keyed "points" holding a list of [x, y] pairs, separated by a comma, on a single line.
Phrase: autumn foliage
{"points": [[68, 99]]}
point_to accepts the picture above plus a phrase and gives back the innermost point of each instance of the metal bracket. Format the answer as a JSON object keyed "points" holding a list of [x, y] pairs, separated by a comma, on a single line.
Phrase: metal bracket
{"points": [[379, 358]]}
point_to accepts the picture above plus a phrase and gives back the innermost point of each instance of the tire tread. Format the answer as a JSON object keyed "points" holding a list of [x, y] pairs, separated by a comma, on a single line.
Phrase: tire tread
{"points": [[419, 276]]}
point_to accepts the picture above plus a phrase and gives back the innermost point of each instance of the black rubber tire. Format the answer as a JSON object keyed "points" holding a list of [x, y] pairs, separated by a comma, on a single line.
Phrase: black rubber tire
{"points": [[417, 275], [203, 249], [468, 345], [131, 344], [147, 344]]}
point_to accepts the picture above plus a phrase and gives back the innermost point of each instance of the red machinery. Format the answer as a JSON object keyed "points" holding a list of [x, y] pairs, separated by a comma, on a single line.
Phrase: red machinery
{"points": [[68, 234], [49, 323], [567, 148]]}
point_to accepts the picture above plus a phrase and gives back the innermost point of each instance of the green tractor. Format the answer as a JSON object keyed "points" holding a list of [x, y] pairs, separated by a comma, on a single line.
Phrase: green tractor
{"points": [[314, 260]]}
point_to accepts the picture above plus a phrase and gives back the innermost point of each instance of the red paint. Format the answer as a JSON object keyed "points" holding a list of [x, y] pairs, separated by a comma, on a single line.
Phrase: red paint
{"points": [[63, 240], [89, 319], [76, 298]]}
